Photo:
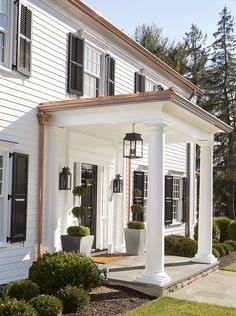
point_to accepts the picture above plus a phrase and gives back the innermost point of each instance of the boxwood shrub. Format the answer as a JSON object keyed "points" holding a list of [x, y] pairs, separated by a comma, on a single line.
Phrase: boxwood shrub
{"points": [[180, 246], [47, 305], [55, 271], [223, 223], [73, 298], [215, 253], [220, 248], [231, 243], [21, 289], [79, 231], [228, 248], [13, 307], [232, 230], [136, 225], [215, 232]]}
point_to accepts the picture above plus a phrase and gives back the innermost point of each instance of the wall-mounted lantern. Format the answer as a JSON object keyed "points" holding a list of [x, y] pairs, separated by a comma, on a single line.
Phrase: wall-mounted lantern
{"points": [[133, 145], [65, 179], [118, 184]]}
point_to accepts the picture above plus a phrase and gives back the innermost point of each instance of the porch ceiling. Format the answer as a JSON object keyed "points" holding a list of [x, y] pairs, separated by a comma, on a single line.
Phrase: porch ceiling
{"points": [[111, 117]]}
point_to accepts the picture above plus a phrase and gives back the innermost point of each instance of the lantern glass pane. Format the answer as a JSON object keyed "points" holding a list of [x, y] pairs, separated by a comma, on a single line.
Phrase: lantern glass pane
{"points": [[139, 149]]}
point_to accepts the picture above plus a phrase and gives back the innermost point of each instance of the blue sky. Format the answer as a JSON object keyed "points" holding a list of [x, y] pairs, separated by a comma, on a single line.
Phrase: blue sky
{"points": [[174, 16]]}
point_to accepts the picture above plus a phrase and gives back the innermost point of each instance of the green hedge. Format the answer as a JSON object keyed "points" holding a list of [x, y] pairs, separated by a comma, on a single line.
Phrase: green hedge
{"points": [[232, 230], [13, 307], [54, 271], [231, 243], [180, 246], [47, 305], [215, 232], [223, 223]]}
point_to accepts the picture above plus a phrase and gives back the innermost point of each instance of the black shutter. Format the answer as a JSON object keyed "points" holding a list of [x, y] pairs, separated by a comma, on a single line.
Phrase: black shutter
{"points": [[168, 200], [23, 39], [19, 197], [185, 199], [139, 184], [75, 65], [139, 83], [110, 75]]}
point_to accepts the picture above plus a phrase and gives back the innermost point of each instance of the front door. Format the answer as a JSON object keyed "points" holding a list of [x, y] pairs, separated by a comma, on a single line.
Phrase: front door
{"points": [[89, 179]]}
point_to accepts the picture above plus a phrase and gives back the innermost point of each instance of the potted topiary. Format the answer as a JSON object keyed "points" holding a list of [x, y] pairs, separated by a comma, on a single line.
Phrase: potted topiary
{"points": [[78, 237], [135, 233]]}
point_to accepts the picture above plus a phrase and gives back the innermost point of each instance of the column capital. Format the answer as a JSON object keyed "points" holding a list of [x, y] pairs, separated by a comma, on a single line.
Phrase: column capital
{"points": [[206, 143], [43, 118], [155, 125]]}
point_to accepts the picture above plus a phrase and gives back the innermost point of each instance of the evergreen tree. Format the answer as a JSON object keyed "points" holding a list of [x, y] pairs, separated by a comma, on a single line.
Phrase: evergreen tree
{"points": [[220, 100]]}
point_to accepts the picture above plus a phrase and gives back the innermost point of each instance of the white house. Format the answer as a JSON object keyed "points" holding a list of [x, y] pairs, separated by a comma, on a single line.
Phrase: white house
{"points": [[71, 86]]}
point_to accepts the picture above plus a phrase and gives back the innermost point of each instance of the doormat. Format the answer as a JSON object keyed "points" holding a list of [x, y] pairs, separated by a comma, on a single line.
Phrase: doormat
{"points": [[107, 258]]}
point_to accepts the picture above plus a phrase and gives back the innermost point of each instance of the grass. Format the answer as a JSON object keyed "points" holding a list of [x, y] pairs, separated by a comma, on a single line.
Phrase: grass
{"points": [[231, 267], [166, 306]]}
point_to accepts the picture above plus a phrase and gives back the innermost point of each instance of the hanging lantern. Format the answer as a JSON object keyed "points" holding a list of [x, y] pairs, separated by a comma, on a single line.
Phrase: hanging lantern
{"points": [[118, 184], [65, 179], [133, 145]]}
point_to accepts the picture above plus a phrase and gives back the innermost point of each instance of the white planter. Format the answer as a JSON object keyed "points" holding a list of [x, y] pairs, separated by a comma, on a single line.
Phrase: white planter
{"points": [[75, 243], [135, 241]]}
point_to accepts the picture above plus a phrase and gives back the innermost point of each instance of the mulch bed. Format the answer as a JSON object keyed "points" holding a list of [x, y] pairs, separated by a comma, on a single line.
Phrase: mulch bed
{"points": [[116, 300]]}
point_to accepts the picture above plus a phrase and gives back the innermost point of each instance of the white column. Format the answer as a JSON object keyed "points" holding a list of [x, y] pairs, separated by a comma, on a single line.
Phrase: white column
{"points": [[154, 270], [204, 254]]}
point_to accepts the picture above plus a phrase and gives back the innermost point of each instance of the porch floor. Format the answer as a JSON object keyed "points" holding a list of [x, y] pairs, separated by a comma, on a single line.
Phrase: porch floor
{"points": [[181, 270]]}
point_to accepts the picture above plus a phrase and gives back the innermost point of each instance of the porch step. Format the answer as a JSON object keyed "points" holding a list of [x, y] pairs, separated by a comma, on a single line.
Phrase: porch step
{"points": [[97, 252], [156, 290]]}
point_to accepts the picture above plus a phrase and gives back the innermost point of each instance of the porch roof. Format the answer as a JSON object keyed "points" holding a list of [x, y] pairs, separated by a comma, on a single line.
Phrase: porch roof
{"points": [[170, 102]]}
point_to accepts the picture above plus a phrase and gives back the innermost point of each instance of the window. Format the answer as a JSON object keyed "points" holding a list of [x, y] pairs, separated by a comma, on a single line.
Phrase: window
{"points": [[1, 196], [150, 86], [176, 215], [4, 31], [139, 83], [92, 72]]}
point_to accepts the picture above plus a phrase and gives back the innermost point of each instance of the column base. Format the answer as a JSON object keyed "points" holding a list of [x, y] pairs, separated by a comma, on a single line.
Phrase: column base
{"points": [[205, 258], [154, 278]]}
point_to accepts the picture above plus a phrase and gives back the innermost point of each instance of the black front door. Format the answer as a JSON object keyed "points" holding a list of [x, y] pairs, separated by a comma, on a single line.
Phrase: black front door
{"points": [[89, 179]]}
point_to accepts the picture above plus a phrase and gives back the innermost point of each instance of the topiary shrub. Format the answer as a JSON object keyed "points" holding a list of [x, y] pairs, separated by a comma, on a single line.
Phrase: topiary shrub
{"points": [[231, 243], [13, 307], [79, 190], [136, 225], [215, 253], [232, 230], [79, 231], [223, 223], [220, 248], [55, 271], [215, 232], [180, 246], [21, 290], [73, 298], [46, 305], [79, 211]]}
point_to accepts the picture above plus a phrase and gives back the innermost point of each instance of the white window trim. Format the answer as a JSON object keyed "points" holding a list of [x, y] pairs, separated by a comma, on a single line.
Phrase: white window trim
{"points": [[9, 39], [180, 175]]}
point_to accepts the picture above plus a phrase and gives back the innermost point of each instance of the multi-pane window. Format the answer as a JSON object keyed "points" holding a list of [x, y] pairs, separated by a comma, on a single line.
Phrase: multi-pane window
{"points": [[92, 72], [4, 17], [176, 198], [1, 196], [150, 86]]}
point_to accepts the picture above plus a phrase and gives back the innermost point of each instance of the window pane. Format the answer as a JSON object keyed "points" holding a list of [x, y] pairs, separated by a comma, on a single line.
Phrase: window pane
{"points": [[3, 6], [1, 219], [1, 161], [3, 20]]}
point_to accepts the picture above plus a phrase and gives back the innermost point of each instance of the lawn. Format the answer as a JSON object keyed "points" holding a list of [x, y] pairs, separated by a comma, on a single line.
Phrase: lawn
{"points": [[231, 267], [166, 306]]}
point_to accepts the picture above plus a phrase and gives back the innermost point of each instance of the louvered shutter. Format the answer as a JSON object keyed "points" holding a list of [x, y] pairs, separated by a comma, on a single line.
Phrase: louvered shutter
{"points": [[185, 199], [139, 184], [168, 199], [139, 83], [110, 75], [23, 39], [19, 197], [75, 65]]}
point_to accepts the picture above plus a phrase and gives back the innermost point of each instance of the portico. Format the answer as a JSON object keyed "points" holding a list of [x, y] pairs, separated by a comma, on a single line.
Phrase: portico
{"points": [[162, 117]]}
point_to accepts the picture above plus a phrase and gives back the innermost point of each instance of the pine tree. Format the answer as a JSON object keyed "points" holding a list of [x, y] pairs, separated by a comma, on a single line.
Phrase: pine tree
{"points": [[220, 100]]}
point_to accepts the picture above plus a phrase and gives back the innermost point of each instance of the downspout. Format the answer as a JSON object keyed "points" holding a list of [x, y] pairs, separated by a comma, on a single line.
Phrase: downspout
{"points": [[42, 120]]}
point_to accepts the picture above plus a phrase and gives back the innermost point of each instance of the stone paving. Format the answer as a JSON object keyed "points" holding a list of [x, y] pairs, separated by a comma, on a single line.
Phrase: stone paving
{"points": [[217, 288], [181, 270]]}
